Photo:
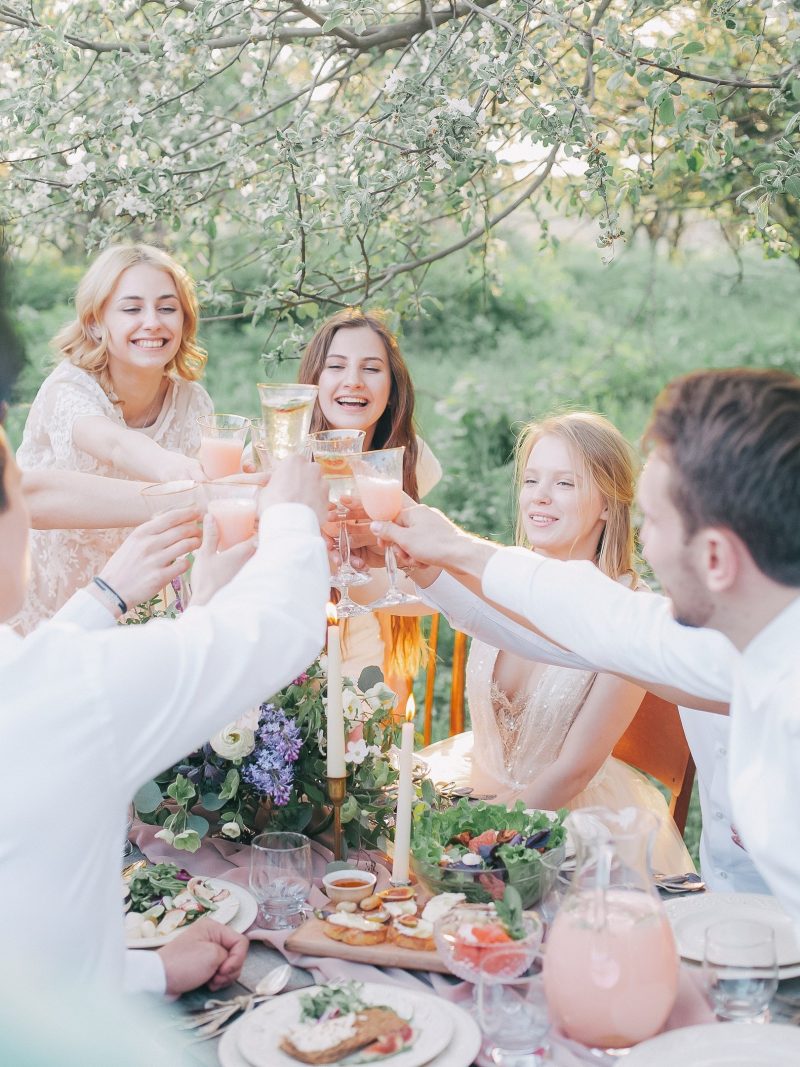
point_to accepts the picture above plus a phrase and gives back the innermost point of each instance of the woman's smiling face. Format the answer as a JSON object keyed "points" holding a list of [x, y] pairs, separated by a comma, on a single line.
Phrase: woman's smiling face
{"points": [[143, 320], [355, 383], [563, 512]]}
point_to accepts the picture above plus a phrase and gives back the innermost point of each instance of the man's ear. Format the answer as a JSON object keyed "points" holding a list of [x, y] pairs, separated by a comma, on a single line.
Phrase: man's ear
{"points": [[720, 558]]}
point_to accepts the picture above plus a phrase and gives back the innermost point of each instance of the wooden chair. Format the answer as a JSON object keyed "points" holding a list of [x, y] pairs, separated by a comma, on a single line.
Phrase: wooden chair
{"points": [[655, 743], [457, 685]]}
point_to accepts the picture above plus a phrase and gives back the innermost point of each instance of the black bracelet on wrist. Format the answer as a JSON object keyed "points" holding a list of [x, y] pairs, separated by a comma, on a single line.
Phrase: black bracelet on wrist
{"points": [[102, 584]]}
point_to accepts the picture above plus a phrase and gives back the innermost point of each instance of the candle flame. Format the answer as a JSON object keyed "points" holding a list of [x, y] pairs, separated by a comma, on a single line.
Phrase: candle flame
{"points": [[330, 611], [411, 708]]}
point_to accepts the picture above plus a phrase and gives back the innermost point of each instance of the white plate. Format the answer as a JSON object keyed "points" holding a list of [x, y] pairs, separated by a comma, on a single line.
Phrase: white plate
{"points": [[238, 911], [720, 1045], [692, 915], [261, 1030], [463, 1049]]}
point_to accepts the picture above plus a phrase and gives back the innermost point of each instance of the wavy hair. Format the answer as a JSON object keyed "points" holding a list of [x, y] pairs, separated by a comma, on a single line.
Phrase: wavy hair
{"points": [[602, 454], [76, 341], [407, 650]]}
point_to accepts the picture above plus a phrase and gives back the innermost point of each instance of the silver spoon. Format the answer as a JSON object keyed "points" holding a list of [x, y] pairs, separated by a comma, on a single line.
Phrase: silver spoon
{"points": [[268, 986]]}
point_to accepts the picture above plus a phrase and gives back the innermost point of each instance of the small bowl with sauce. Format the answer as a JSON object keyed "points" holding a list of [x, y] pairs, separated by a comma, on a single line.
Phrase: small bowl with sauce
{"points": [[349, 884]]}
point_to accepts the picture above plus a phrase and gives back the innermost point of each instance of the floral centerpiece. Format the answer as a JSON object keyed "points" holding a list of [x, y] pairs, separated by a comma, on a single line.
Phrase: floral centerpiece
{"points": [[267, 769]]}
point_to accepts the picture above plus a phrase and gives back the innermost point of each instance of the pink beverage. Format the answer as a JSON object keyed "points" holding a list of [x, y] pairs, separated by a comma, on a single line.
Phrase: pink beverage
{"points": [[610, 985], [382, 498], [221, 456], [235, 518]]}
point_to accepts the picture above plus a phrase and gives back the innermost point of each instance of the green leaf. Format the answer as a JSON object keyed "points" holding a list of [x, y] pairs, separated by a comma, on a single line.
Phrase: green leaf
{"points": [[148, 798], [212, 802], [692, 48], [181, 790], [229, 786], [792, 186], [666, 110], [198, 824], [188, 841], [369, 676]]}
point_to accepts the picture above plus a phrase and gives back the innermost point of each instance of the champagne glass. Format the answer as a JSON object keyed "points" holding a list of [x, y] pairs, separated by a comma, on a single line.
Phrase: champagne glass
{"points": [[286, 412], [379, 481], [221, 444], [332, 450], [740, 968], [233, 508], [280, 877], [172, 496]]}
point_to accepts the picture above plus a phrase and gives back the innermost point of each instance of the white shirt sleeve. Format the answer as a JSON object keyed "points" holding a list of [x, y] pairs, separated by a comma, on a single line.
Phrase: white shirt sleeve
{"points": [[85, 611], [165, 688], [466, 611], [144, 972], [615, 628]]}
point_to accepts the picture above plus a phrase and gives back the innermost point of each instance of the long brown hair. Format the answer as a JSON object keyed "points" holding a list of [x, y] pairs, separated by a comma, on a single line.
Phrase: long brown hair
{"points": [[601, 452], [78, 341], [395, 427]]}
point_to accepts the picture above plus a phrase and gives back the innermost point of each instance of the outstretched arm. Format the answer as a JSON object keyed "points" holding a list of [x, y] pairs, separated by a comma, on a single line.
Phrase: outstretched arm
{"points": [[132, 453]]}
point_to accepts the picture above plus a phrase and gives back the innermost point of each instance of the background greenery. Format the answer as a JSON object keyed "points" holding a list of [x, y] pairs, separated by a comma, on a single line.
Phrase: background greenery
{"points": [[506, 341]]}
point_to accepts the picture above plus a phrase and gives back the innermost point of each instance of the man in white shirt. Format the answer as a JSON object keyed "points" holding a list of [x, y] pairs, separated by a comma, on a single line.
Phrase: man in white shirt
{"points": [[86, 717], [721, 508]]}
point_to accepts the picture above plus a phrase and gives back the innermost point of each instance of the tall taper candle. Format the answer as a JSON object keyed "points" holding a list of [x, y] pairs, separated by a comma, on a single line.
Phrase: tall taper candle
{"points": [[334, 714], [405, 799]]}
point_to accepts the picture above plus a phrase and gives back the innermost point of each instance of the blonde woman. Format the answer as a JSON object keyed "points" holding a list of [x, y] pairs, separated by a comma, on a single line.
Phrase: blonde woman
{"points": [[545, 732], [122, 403]]}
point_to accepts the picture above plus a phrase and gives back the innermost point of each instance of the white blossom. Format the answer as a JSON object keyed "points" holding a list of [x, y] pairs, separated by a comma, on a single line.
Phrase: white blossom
{"points": [[233, 742], [231, 830], [357, 751]]}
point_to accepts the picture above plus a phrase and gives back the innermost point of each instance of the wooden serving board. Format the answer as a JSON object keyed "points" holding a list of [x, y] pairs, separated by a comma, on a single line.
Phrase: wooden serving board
{"points": [[311, 939]]}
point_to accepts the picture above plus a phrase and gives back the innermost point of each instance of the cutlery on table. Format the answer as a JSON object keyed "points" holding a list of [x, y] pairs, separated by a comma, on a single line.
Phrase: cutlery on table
{"points": [[680, 883], [215, 1014]]}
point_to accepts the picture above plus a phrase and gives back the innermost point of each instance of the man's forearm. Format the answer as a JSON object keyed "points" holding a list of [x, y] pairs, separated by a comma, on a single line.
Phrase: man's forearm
{"points": [[66, 500]]}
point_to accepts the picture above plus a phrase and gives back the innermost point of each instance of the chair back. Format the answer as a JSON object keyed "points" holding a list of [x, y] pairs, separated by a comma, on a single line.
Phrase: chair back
{"points": [[655, 743], [457, 685]]}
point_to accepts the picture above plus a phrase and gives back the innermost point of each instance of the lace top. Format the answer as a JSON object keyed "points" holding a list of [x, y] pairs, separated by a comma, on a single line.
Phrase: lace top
{"points": [[64, 560], [518, 738]]}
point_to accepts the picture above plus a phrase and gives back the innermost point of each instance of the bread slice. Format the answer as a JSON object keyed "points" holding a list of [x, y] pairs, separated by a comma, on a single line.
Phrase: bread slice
{"points": [[371, 1023], [349, 936], [420, 944]]}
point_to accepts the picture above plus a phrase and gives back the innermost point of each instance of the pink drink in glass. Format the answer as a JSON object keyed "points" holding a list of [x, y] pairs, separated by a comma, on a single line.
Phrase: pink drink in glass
{"points": [[611, 984], [220, 456], [382, 498], [235, 519]]}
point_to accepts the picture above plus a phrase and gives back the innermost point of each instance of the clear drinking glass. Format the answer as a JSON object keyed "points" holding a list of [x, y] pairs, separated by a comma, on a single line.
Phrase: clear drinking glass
{"points": [[512, 1010], [379, 481], [332, 450], [280, 878], [222, 440], [172, 496], [234, 508], [740, 968], [286, 412]]}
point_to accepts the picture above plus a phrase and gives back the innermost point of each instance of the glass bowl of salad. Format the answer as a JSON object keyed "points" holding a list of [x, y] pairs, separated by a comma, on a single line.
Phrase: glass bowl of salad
{"points": [[482, 849]]}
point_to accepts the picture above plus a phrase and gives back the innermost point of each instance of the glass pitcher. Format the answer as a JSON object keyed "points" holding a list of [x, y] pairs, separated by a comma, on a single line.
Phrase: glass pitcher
{"points": [[611, 965]]}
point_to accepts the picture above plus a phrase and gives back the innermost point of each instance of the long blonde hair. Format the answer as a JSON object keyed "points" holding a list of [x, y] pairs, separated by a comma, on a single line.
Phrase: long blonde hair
{"points": [[78, 341], [602, 454]]}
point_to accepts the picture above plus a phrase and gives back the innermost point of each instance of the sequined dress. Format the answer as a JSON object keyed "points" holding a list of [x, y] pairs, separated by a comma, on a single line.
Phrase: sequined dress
{"points": [[512, 741]]}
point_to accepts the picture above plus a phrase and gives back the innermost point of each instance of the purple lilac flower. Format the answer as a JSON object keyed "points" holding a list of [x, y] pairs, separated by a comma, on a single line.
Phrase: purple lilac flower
{"points": [[269, 767], [178, 588]]}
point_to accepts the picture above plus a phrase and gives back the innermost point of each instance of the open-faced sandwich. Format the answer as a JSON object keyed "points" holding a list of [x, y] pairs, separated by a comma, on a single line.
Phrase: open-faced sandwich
{"points": [[393, 915], [335, 1023]]}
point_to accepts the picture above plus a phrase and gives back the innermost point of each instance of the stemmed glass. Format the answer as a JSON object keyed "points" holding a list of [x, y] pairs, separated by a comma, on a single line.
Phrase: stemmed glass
{"points": [[280, 878], [512, 1010], [379, 481], [740, 968], [171, 496], [286, 412], [332, 450]]}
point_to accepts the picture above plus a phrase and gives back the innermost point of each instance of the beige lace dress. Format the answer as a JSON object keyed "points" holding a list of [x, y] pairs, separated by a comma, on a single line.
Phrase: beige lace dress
{"points": [[65, 560], [511, 742]]}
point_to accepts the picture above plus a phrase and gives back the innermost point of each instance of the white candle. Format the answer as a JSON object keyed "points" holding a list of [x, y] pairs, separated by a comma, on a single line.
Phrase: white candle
{"points": [[405, 798], [335, 716]]}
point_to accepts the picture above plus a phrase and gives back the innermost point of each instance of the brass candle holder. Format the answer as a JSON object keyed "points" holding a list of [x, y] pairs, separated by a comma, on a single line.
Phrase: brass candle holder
{"points": [[337, 791]]}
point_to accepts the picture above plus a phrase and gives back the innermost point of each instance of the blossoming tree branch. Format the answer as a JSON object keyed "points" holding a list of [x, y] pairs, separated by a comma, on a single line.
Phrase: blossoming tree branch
{"points": [[311, 154]]}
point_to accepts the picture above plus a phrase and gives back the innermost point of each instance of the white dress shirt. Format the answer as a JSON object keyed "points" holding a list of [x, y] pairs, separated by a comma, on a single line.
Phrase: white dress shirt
{"points": [[88, 717], [636, 634]]}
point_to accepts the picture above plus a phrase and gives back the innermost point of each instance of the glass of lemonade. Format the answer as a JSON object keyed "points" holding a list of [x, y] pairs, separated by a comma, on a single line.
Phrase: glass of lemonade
{"points": [[221, 444]]}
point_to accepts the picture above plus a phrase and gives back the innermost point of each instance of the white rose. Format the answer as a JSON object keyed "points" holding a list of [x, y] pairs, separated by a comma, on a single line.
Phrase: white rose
{"points": [[230, 829], [233, 742]]}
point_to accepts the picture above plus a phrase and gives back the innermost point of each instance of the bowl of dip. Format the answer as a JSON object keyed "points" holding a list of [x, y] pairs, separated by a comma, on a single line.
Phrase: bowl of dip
{"points": [[349, 884]]}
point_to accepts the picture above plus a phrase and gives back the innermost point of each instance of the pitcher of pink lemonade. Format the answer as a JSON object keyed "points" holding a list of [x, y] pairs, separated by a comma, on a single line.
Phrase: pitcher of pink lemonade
{"points": [[611, 965]]}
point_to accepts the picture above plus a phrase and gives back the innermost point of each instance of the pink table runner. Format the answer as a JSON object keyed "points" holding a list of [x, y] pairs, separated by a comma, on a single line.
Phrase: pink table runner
{"points": [[217, 858]]}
